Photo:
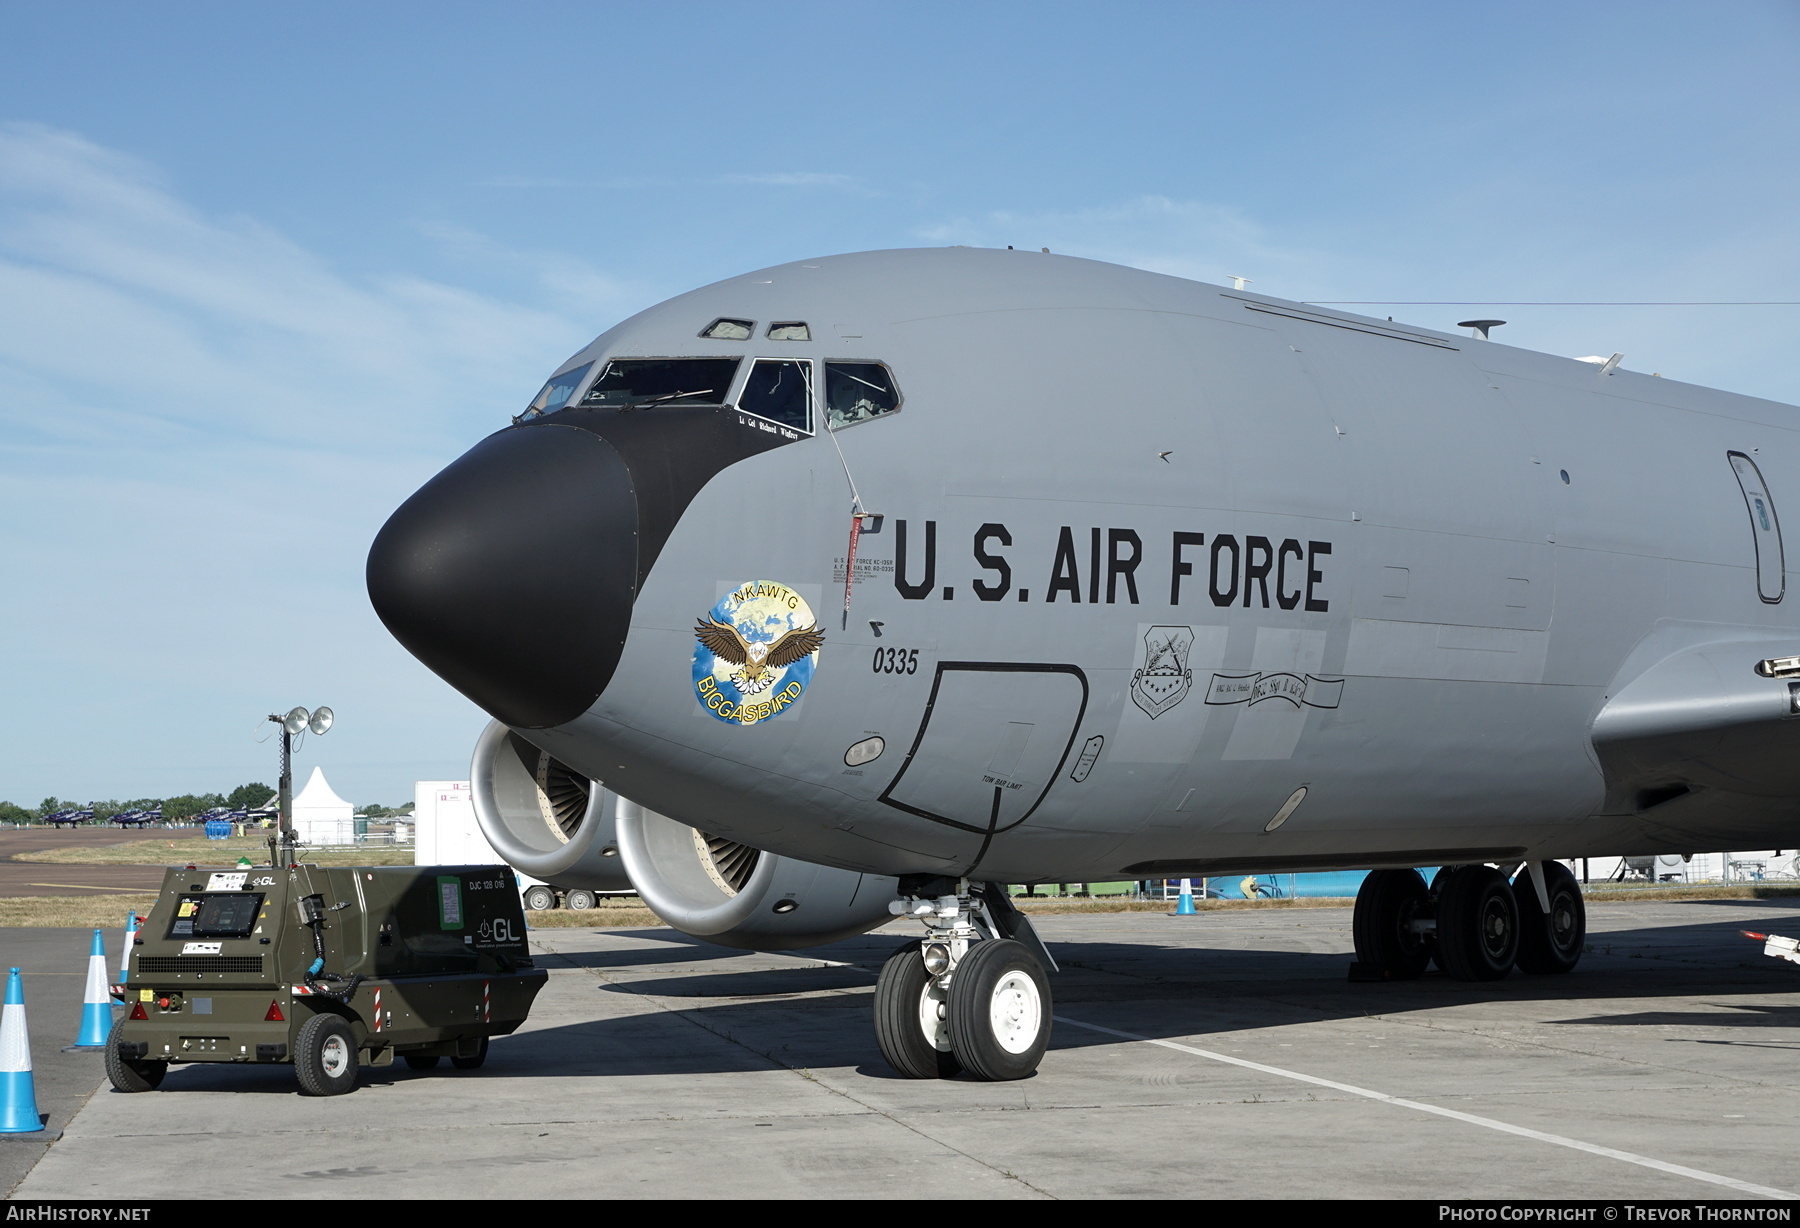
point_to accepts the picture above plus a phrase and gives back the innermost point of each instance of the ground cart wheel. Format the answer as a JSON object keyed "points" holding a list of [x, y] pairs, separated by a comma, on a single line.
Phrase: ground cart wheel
{"points": [[474, 1061], [1477, 924], [1550, 942], [325, 1056], [131, 1074], [910, 1025], [540, 899], [1387, 905], [999, 1011], [421, 1061]]}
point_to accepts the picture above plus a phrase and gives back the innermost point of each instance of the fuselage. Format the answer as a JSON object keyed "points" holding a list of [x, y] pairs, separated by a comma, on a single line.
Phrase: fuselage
{"points": [[1153, 577]]}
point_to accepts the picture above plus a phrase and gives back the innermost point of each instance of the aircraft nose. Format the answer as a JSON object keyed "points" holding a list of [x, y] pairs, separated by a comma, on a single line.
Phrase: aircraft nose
{"points": [[512, 573]]}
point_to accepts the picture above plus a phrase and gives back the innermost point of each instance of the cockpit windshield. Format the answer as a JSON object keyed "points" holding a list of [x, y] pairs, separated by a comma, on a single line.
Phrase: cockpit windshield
{"points": [[858, 391], [640, 383], [781, 391], [558, 391]]}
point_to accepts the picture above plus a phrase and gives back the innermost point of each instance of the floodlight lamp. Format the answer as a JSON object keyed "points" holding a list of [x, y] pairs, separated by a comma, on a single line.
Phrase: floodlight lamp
{"points": [[321, 720], [295, 721]]}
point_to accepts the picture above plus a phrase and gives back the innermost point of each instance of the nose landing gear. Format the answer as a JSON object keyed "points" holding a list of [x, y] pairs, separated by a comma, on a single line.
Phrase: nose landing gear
{"points": [[972, 995]]}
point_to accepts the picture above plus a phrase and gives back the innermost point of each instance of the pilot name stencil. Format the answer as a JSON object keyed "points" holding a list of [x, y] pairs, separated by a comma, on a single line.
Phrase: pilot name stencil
{"points": [[1252, 689]]}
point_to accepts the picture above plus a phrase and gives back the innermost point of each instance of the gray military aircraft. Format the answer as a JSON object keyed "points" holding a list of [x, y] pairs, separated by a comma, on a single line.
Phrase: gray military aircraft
{"points": [[869, 584]]}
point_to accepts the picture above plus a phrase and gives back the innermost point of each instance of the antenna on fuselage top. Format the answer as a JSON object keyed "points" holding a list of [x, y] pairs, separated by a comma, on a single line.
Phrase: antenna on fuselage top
{"points": [[1238, 283]]}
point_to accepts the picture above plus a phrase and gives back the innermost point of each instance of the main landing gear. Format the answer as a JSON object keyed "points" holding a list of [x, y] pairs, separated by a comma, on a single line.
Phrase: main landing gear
{"points": [[1474, 923], [971, 995]]}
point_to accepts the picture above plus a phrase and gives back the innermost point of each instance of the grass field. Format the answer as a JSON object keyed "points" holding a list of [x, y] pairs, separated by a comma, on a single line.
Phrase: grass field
{"points": [[1619, 893], [106, 912], [161, 851], [625, 912]]}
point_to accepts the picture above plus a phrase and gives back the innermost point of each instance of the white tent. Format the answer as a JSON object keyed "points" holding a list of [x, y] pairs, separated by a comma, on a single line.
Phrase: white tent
{"points": [[321, 816]]}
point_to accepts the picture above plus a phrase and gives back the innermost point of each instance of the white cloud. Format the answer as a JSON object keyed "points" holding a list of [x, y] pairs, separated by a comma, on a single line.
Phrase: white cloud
{"points": [[569, 283], [799, 179], [110, 283], [202, 425]]}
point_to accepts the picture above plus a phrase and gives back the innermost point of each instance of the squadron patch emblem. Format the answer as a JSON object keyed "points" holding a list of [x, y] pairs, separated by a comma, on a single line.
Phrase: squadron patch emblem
{"points": [[755, 653], [1164, 679]]}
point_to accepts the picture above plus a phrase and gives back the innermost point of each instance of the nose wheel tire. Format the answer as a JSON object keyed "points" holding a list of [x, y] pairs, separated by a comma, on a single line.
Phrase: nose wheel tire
{"points": [[1477, 924], [325, 1056], [911, 1027], [1387, 905], [1550, 942], [999, 1011], [540, 899], [579, 899], [131, 1074]]}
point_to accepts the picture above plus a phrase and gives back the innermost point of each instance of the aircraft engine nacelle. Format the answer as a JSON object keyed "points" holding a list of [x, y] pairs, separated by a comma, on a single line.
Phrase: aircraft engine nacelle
{"points": [[544, 818], [736, 896]]}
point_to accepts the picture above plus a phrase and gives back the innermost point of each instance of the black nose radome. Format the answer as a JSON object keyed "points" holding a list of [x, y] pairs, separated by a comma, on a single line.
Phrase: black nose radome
{"points": [[512, 573]]}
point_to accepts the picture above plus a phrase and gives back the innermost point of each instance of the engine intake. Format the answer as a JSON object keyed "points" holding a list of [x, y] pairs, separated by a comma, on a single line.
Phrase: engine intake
{"points": [[736, 896], [543, 817]]}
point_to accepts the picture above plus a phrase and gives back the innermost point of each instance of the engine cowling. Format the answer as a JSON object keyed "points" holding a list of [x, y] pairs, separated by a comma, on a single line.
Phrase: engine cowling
{"points": [[736, 896], [543, 817]]}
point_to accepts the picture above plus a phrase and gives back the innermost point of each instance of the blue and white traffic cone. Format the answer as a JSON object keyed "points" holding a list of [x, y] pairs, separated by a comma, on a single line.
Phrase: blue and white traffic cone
{"points": [[131, 930], [1185, 906], [96, 1003], [18, 1095]]}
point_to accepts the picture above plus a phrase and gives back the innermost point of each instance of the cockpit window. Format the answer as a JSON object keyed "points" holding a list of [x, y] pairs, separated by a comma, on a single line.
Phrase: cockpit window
{"points": [[856, 392], [729, 330], [789, 330], [781, 391], [558, 391], [639, 383]]}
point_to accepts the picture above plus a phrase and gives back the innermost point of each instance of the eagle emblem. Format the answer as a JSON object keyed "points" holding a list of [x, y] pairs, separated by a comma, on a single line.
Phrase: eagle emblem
{"points": [[754, 652], [760, 662]]}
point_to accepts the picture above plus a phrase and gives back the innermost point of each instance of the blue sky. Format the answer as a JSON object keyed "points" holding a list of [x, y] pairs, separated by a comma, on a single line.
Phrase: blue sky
{"points": [[265, 268]]}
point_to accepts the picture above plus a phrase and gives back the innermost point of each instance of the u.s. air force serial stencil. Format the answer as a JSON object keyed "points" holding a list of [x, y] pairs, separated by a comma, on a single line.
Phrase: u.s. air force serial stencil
{"points": [[1128, 565]]}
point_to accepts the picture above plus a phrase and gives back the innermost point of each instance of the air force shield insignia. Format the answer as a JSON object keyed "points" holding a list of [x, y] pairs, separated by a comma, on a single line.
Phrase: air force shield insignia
{"points": [[1164, 679]]}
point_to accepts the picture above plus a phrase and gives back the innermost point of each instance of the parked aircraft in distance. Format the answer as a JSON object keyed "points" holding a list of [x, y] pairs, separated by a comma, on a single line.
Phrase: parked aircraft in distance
{"points": [[861, 585]]}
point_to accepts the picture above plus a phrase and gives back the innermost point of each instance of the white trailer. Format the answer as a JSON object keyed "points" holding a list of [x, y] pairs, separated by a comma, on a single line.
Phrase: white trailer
{"points": [[447, 834]]}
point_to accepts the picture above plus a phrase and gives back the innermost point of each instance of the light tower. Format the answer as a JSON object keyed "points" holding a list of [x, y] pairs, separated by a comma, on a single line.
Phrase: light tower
{"points": [[296, 722]]}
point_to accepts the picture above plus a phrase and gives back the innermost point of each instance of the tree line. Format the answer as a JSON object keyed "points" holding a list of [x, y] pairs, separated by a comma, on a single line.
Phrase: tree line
{"points": [[174, 809]]}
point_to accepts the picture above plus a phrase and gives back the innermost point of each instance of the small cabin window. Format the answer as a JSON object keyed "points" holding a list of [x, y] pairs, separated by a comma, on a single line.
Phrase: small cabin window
{"points": [[662, 383], [1765, 529], [858, 391], [729, 330], [781, 391], [559, 391], [789, 330]]}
